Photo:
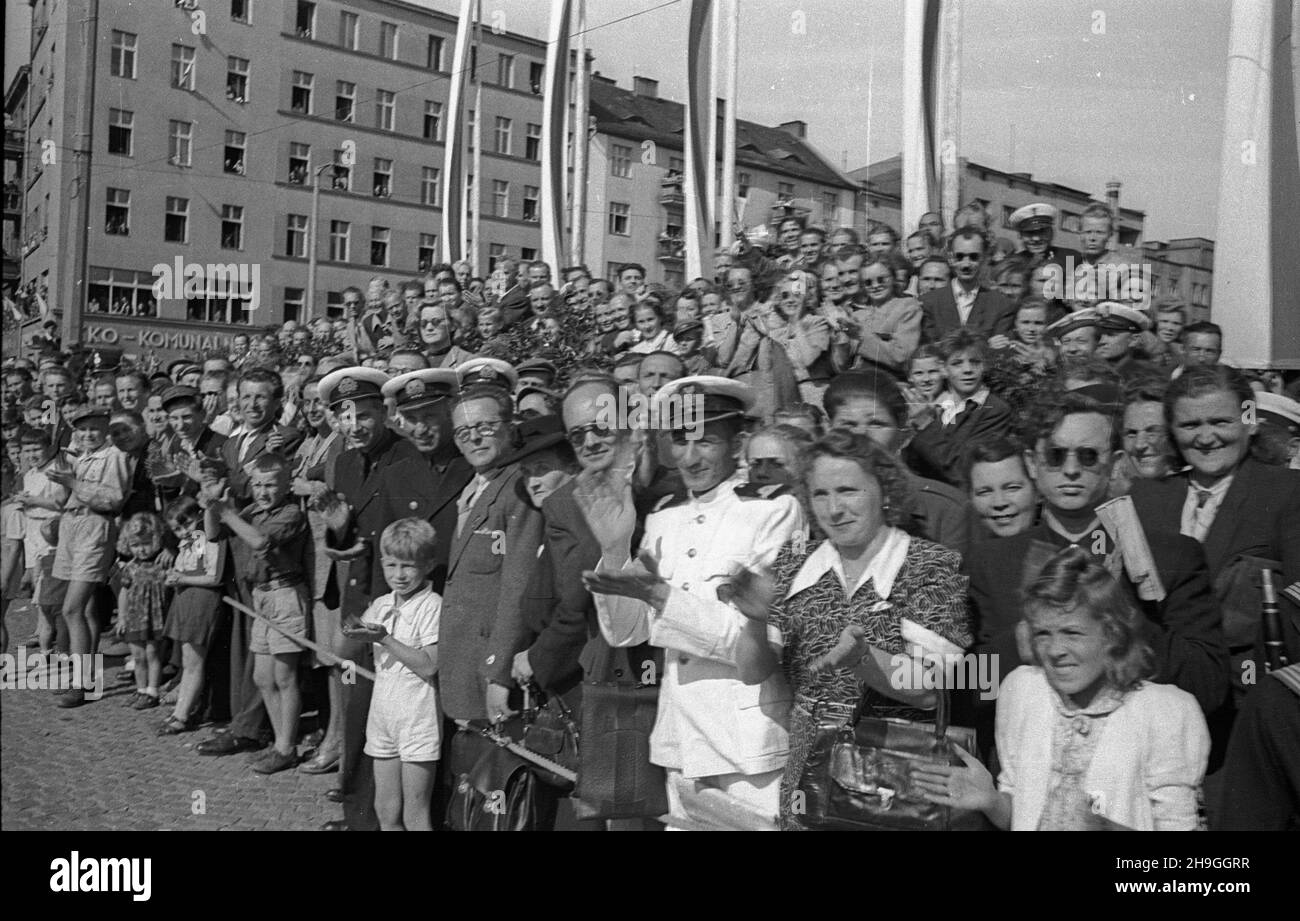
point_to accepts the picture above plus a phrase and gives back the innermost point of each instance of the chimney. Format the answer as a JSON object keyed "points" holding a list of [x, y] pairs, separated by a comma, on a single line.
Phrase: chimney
{"points": [[644, 86], [1112, 196], [798, 128]]}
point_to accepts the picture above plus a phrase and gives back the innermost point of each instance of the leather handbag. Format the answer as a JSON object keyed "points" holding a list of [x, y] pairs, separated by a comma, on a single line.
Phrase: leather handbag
{"points": [[550, 730], [496, 790], [615, 777], [858, 773]]}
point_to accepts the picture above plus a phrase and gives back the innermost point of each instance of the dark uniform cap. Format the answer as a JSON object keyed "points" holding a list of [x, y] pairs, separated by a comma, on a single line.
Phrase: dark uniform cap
{"points": [[90, 412], [535, 365], [177, 393]]}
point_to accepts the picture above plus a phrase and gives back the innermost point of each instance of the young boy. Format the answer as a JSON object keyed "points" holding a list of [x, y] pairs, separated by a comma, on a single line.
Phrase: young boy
{"points": [[274, 536], [99, 482], [403, 731], [42, 500], [965, 412]]}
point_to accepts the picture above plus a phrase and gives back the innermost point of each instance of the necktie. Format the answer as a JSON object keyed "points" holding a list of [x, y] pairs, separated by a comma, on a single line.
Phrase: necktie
{"points": [[1203, 517], [245, 445], [467, 500]]}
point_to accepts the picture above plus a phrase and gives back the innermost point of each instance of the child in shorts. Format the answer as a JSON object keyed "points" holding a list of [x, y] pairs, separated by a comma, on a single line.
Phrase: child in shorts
{"points": [[404, 726], [42, 500], [275, 530]]}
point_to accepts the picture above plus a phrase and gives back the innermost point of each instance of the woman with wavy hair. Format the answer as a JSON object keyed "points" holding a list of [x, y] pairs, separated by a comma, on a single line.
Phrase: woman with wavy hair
{"points": [[843, 616], [1086, 741]]}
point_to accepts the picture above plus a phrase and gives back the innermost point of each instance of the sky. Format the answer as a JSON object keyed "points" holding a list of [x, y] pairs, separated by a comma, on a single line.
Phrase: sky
{"points": [[1075, 91]]}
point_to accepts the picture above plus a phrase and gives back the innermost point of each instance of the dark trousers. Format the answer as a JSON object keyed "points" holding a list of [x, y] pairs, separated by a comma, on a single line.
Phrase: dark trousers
{"points": [[356, 771], [247, 712], [1259, 786]]}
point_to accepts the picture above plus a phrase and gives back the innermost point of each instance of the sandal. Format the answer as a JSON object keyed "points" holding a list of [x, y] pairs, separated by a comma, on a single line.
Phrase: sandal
{"points": [[171, 697], [172, 726]]}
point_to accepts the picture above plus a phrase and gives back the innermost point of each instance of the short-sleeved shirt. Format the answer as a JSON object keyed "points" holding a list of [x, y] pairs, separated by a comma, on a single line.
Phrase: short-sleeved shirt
{"points": [[414, 622], [109, 471], [285, 527], [36, 483]]}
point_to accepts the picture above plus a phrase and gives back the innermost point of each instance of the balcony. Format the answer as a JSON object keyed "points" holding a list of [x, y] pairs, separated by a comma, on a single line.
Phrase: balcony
{"points": [[672, 249], [670, 192]]}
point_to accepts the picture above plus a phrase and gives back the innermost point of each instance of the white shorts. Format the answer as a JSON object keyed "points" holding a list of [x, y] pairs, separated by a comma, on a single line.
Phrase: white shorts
{"points": [[395, 729]]}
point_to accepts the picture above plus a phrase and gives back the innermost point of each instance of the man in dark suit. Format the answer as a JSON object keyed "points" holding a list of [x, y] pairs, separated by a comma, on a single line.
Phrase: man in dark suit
{"points": [[965, 301], [379, 480], [1073, 452], [493, 552], [188, 439], [1233, 505], [260, 394]]}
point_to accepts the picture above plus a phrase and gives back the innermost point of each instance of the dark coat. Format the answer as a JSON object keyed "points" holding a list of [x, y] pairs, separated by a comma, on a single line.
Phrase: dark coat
{"points": [[448, 486], [238, 473], [938, 450], [991, 315]]}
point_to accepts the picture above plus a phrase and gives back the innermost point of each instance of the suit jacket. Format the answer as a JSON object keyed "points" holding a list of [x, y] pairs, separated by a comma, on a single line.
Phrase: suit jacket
{"points": [[992, 313], [447, 488], [938, 450], [399, 484], [561, 633], [230, 451], [1184, 629], [489, 568], [1259, 516], [209, 444]]}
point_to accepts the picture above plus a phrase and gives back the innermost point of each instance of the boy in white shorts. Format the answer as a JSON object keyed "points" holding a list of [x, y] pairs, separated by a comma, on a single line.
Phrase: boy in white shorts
{"points": [[403, 728]]}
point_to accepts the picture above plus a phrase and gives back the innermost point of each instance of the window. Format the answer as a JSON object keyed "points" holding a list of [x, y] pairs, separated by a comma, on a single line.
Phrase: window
{"points": [[532, 202], [620, 160], [240, 10], [334, 305], [345, 101], [340, 234], [829, 202], [502, 135], [117, 212], [388, 40], [427, 254], [383, 185], [742, 185], [1071, 222], [533, 142], [1007, 211], [676, 167], [306, 19], [180, 136], [506, 70], [233, 158], [432, 121], [785, 190], [433, 57], [496, 252], [300, 95], [429, 186], [130, 293], [183, 67], [237, 79], [619, 218], [536, 72], [212, 308], [295, 238], [122, 57], [379, 246], [385, 106], [471, 195], [293, 299], [527, 254], [299, 163], [500, 198], [121, 125], [470, 117], [342, 175], [176, 225], [232, 227], [349, 28]]}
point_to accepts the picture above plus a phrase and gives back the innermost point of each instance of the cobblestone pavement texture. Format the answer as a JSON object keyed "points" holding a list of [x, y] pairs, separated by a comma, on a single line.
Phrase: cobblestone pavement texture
{"points": [[101, 767]]}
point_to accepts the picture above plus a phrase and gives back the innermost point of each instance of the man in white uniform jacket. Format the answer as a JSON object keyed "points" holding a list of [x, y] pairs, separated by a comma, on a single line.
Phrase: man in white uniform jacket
{"points": [[723, 742]]}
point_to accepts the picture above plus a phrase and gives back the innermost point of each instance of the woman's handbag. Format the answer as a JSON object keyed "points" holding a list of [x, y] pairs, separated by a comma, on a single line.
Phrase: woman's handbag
{"points": [[858, 775], [550, 730], [615, 778]]}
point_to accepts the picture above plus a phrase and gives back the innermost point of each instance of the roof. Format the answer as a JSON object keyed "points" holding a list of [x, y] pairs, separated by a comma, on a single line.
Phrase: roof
{"points": [[625, 114]]}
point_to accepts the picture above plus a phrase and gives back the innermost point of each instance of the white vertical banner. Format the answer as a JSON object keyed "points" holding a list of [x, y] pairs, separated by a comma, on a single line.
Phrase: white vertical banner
{"points": [[918, 110], [696, 144], [947, 134], [554, 112], [453, 169], [1256, 297]]}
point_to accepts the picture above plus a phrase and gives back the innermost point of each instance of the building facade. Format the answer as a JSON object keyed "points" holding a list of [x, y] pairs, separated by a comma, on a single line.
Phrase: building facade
{"points": [[14, 164], [635, 195], [210, 124], [1183, 270]]}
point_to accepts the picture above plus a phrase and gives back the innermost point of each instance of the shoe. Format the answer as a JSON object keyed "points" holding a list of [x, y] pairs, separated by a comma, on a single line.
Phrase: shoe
{"points": [[228, 744], [276, 762], [173, 726], [335, 795], [313, 738], [133, 699], [73, 697], [323, 763], [144, 702], [336, 825]]}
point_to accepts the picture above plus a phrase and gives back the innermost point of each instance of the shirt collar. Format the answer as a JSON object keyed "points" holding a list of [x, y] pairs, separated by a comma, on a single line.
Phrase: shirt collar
{"points": [[948, 398], [1217, 491], [882, 570]]}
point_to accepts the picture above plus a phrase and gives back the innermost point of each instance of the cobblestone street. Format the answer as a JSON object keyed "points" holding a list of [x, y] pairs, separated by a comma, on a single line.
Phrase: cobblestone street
{"points": [[101, 767]]}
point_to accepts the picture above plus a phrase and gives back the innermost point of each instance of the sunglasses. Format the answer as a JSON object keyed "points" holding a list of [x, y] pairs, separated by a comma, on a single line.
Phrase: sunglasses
{"points": [[967, 257], [578, 434], [1054, 458]]}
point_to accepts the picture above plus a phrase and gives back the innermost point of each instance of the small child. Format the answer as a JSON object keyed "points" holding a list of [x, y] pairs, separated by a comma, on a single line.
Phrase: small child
{"points": [[197, 612], [142, 603], [275, 530], [925, 373], [403, 729]]}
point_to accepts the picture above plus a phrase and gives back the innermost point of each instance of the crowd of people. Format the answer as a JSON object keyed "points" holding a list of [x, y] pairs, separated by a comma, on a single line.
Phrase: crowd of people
{"points": [[874, 455]]}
